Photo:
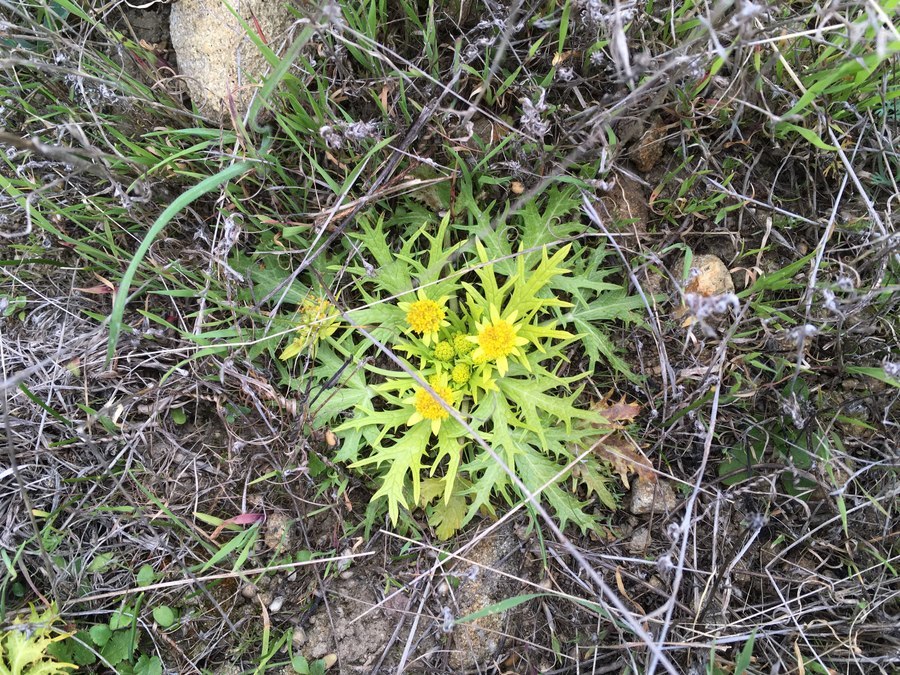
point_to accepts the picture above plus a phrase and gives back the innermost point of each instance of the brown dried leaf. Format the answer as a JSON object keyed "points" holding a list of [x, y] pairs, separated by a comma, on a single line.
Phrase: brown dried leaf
{"points": [[625, 457], [618, 414]]}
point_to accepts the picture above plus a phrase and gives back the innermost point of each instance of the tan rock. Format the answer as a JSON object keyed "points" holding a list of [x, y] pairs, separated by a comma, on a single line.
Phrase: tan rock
{"points": [[217, 58], [655, 496], [709, 276], [639, 541]]}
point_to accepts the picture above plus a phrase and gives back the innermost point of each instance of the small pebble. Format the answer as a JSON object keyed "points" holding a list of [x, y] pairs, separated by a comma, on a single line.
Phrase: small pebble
{"points": [[276, 604], [652, 496], [298, 639], [639, 541], [344, 563], [249, 591]]}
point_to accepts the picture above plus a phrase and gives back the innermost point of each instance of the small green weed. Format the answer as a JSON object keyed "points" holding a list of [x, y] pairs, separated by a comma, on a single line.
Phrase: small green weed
{"points": [[115, 643], [793, 440], [302, 666]]}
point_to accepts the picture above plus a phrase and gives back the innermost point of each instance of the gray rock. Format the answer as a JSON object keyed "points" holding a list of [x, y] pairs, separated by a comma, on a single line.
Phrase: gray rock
{"points": [[639, 541], [217, 58]]}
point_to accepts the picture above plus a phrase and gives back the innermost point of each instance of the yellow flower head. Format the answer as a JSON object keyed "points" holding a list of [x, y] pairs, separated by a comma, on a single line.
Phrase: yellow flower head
{"points": [[425, 316], [497, 339], [427, 407]]}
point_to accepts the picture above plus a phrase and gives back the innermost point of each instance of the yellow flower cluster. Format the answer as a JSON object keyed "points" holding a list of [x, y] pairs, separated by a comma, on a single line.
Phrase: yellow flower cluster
{"points": [[462, 363], [497, 339], [316, 319]]}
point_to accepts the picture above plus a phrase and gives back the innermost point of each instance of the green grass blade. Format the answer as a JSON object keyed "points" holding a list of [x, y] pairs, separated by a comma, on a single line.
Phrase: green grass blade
{"points": [[206, 185], [744, 658], [501, 606]]}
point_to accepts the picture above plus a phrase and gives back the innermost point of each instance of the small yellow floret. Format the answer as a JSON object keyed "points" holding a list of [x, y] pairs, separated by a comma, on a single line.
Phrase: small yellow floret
{"points": [[461, 374], [425, 316], [443, 351], [497, 339], [462, 345], [429, 407]]}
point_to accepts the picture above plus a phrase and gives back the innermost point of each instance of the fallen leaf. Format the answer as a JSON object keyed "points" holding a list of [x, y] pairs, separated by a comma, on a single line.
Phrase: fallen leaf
{"points": [[616, 412], [99, 289], [625, 457], [616, 447], [241, 519]]}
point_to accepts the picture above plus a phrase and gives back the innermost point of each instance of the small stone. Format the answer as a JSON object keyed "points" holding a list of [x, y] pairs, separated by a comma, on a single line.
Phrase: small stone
{"points": [[278, 530], [276, 604], [249, 591], [329, 660], [639, 541], [654, 496], [395, 603], [298, 639], [346, 574], [345, 560], [709, 276]]}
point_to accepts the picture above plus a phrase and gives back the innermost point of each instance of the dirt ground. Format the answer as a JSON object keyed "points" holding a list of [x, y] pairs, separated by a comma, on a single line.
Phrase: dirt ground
{"points": [[760, 535]]}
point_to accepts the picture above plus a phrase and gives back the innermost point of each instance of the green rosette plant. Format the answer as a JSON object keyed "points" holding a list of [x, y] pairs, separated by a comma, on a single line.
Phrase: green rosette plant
{"points": [[474, 354]]}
